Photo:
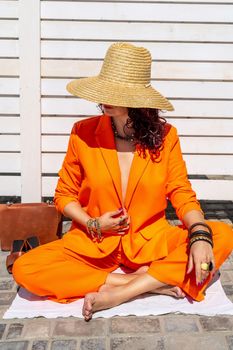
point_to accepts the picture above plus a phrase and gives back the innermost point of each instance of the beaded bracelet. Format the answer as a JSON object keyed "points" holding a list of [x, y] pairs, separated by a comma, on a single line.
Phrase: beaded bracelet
{"points": [[93, 228], [200, 232], [98, 229], [200, 238], [200, 224]]}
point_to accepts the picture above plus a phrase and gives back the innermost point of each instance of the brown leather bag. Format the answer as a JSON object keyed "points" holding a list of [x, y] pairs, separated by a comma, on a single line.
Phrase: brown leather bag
{"points": [[22, 220]]}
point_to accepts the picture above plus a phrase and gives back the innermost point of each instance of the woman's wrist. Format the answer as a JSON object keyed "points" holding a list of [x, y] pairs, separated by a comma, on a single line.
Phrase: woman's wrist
{"points": [[196, 226], [200, 231], [93, 228]]}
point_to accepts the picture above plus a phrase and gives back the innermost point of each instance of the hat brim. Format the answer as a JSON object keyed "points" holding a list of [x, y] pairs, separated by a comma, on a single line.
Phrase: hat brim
{"points": [[101, 91]]}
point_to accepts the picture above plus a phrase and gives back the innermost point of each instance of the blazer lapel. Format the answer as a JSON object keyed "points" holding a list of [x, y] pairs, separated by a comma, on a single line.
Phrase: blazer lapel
{"points": [[138, 167], [105, 140]]}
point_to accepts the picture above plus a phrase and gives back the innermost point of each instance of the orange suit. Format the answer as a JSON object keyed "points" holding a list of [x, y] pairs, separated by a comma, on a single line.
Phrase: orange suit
{"points": [[90, 174]]}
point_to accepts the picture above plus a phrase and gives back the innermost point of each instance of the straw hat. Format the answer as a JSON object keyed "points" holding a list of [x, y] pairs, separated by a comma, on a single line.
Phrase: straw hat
{"points": [[124, 80]]}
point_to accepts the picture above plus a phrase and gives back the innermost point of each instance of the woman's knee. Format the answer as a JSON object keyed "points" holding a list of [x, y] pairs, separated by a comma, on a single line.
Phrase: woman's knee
{"points": [[222, 234], [20, 269]]}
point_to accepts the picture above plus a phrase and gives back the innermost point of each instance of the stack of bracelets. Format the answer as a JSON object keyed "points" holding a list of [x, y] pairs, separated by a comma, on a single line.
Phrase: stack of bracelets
{"points": [[200, 235], [93, 228]]}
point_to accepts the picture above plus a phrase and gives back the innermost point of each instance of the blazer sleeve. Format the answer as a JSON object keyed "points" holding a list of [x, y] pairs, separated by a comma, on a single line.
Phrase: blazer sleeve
{"points": [[178, 189], [70, 175]]}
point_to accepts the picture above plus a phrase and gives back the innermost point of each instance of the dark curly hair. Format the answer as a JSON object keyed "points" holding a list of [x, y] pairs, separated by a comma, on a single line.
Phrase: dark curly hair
{"points": [[149, 130]]}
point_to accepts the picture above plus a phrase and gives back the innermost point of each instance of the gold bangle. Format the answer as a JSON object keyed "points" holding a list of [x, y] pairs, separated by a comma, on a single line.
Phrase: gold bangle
{"points": [[200, 238]]}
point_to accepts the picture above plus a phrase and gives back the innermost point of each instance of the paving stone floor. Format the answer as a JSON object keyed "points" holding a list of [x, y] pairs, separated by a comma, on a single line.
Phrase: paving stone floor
{"points": [[165, 332]]}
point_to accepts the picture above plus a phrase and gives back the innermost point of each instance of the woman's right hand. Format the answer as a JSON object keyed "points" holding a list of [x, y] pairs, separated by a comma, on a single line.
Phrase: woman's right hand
{"points": [[116, 222]]}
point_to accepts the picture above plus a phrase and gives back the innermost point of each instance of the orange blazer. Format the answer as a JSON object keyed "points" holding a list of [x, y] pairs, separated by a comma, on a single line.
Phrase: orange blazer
{"points": [[90, 174]]}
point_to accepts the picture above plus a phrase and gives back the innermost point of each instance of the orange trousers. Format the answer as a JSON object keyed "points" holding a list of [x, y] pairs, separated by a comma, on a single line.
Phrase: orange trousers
{"points": [[63, 275]]}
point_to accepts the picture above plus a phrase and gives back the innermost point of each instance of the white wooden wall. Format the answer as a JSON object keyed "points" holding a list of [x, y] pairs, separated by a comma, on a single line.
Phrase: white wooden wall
{"points": [[45, 44]]}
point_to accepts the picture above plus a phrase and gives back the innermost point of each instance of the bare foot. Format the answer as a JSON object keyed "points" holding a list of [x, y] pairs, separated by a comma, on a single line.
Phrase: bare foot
{"points": [[98, 301], [172, 291]]}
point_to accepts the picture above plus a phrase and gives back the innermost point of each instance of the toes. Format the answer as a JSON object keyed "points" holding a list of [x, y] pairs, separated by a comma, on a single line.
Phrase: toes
{"points": [[179, 293], [87, 307]]}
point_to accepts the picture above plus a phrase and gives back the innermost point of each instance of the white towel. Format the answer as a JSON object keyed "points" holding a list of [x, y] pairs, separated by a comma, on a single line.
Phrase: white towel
{"points": [[28, 305]]}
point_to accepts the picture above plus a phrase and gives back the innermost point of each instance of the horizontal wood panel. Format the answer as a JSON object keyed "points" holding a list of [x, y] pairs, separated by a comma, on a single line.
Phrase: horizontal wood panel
{"points": [[159, 51], [209, 164], [186, 108], [177, 89], [215, 127], [205, 189], [196, 164], [54, 143], [9, 143], [160, 70], [10, 185], [52, 162], [9, 124], [199, 145], [60, 125], [9, 48], [48, 186], [131, 12], [9, 67], [9, 9], [9, 28], [213, 189], [9, 86], [10, 163], [9, 105], [136, 31], [211, 127]]}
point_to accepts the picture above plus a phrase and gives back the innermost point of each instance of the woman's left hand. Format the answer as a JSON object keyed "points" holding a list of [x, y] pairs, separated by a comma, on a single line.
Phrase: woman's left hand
{"points": [[200, 252]]}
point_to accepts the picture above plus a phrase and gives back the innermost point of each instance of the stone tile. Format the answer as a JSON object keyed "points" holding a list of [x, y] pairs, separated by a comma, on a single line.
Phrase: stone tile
{"points": [[80, 328], [228, 288], [137, 343], [230, 297], [2, 311], [134, 325], [40, 345], [37, 328], [220, 323], [14, 345], [6, 284], [64, 345], [2, 329], [180, 324], [64, 328], [14, 330], [229, 340], [225, 277], [190, 342], [227, 265], [6, 298], [95, 343], [4, 272]]}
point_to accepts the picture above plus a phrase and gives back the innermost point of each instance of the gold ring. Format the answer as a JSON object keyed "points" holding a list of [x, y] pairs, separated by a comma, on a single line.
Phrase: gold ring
{"points": [[205, 266]]}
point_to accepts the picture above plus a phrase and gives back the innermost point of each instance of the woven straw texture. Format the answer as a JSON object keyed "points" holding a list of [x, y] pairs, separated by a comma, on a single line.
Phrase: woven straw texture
{"points": [[124, 80]]}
